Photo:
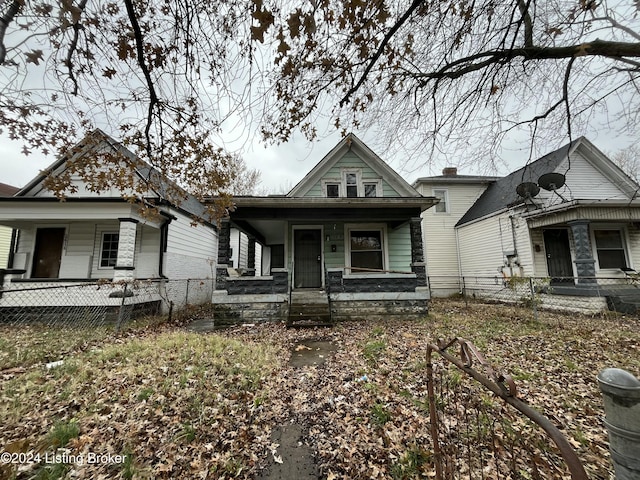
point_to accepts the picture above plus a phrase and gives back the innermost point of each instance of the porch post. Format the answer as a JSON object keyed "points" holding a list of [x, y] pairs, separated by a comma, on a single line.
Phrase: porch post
{"points": [[251, 257], [125, 261], [224, 253], [418, 265], [585, 263]]}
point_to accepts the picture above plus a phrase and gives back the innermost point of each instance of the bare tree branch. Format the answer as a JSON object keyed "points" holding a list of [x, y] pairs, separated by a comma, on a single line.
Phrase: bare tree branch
{"points": [[5, 20]]}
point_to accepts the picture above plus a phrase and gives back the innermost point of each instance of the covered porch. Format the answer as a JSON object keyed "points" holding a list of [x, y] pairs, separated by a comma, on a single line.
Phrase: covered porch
{"points": [[363, 255], [589, 249]]}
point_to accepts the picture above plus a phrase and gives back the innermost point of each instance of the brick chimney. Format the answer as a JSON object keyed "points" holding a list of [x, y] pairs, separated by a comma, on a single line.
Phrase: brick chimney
{"points": [[450, 171]]}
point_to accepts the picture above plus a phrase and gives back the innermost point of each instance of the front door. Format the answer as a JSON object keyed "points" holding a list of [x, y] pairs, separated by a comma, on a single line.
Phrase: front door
{"points": [[307, 258], [47, 253], [559, 265]]}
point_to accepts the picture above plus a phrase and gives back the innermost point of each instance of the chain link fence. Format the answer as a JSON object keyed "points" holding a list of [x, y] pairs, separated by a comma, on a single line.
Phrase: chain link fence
{"points": [[567, 294], [97, 304]]}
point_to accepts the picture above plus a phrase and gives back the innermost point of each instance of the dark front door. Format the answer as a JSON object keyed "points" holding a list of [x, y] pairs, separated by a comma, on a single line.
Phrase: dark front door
{"points": [[559, 266], [47, 253], [307, 258]]}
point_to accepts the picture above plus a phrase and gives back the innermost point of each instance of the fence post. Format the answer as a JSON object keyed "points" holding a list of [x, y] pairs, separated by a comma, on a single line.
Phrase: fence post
{"points": [[621, 395], [533, 299], [121, 312], [464, 293]]}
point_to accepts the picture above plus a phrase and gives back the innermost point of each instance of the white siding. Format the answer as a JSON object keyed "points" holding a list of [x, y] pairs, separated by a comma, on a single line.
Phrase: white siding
{"points": [[191, 250], [441, 253], [148, 252], [480, 249], [5, 243], [587, 182]]}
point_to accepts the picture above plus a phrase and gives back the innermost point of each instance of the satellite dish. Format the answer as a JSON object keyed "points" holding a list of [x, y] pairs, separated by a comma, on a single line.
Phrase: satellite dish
{"points": [[551, 181], [527, 190]]}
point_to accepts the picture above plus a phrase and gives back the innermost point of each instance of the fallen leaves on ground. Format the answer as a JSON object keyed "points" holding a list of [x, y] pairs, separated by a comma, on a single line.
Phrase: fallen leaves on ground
{"points": [[180, 405]]}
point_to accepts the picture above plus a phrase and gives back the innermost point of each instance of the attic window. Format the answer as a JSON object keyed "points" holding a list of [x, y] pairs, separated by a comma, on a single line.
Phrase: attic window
{"points": [[352, 185], [370, 189], [333, 190]]}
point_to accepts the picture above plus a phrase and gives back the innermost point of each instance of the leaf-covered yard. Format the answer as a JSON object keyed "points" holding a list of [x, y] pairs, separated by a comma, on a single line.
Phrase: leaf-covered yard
{"points": [[161, 402]]}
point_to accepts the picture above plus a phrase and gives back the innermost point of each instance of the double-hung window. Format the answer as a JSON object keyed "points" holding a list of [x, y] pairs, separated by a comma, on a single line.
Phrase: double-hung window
{"points": [[442, 195], [610, 248], [366, 247], [109, 249]]}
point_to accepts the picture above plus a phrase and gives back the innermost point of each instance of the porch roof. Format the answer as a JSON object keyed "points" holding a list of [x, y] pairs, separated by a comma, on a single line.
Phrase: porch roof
{"points": [[18, 212], [262, 216], [592, 210]]}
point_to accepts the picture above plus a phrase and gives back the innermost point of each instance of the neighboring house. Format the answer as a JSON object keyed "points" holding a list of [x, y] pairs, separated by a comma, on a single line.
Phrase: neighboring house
{"points": [[7, 235], [572, 216], [348, 236], [457, 193], [239, 256], [92, 237]]}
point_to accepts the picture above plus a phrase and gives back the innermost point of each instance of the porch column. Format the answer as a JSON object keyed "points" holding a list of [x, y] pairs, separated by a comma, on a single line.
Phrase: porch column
{"points": [[251, 257], [418, 265], [224, 253], [585, 263], [125, 262]]}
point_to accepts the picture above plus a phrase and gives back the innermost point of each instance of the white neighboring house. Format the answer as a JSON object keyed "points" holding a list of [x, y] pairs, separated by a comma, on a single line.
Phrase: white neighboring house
{"points": [[575, 221], [457, 193], [92, 237], [240, 259], [7, 235]]}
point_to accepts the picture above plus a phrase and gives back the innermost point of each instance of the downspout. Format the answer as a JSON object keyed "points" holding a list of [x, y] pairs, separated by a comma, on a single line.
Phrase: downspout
{"points": [[455, 229], [164, 237]]}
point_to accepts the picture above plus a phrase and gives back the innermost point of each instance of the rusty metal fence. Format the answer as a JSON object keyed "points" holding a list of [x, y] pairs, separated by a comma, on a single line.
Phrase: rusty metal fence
{"points": [[97, 304], [481, 430]]}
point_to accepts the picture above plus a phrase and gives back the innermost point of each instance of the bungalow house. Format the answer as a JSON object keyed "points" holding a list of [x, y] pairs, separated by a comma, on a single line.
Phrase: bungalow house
{"points": [[345, 242], [7, 236], [571, 216], [103, 237]]}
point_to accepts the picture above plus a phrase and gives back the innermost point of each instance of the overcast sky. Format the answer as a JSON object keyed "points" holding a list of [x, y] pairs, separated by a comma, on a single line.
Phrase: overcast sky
{"points": [[282, 166]]}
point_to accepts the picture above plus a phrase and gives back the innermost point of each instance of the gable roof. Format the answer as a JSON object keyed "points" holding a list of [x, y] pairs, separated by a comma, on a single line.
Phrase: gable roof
{"points": [[353, 143], [159, 186], [502, 193]]}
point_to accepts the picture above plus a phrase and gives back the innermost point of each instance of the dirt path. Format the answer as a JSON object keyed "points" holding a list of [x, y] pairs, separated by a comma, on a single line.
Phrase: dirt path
{"points": [[293, 458]]}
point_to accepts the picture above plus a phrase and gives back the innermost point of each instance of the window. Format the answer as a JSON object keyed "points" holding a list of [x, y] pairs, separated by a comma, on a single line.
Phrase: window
{"points": [[443, 206], [352, 184], [610, 248], [333, 190], [370, 189], [366, 250], [109, 252]]}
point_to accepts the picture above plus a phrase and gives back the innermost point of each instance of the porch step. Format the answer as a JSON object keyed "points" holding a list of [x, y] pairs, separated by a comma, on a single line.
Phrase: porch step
{"points": [[309, 309]]}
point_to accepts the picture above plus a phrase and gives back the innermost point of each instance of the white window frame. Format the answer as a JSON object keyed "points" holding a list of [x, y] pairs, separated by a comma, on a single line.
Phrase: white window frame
{"points": [[348, 228], [101, 248], [328, 182], [358, 173], [445, 200], [623, 240], [377, 183]]}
